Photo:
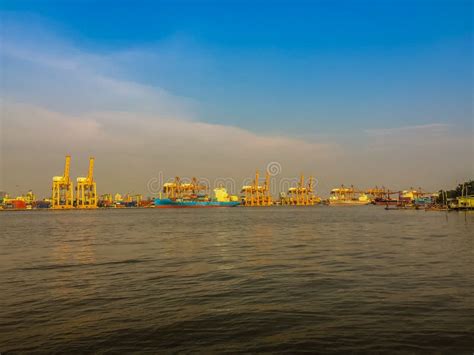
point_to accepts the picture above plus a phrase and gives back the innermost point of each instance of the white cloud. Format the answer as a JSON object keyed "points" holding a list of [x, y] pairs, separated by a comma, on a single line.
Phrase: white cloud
{"points": [[131, 148]]}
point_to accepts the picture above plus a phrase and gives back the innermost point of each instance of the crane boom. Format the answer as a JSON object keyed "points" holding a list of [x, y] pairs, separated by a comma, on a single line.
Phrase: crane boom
{"points": [[67, 166], [301, 181], [90, 175]]}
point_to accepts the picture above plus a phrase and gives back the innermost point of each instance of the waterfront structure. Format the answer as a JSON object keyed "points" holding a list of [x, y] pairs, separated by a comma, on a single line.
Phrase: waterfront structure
{"points": [[63, 193], [382, 196], [86, 189], [464, 203], [301, 195], [178, 188], [257, 195]]}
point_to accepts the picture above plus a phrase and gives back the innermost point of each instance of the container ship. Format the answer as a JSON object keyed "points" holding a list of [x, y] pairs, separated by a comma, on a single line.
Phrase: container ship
{"points": [[344, 196], [221, 199], [179, 203]]}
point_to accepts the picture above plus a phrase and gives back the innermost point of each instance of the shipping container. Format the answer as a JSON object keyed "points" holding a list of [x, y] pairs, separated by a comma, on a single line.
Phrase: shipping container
{"points": [[18, 204]]}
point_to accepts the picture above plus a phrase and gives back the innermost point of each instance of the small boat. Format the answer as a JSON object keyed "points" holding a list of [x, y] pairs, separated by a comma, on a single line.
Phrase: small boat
{"points": [[436, 208]]}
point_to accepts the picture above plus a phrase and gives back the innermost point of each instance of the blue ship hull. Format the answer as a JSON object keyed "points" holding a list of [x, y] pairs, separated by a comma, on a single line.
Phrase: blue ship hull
{"points": [[168, 203]]}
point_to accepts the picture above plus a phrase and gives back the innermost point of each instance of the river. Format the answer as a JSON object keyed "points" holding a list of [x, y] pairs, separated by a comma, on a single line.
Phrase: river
{"points": [[279, 279]]}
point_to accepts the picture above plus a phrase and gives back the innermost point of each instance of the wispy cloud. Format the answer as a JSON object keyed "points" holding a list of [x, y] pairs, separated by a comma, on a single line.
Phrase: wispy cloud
{"points": [[54, 73], [415, 129]]}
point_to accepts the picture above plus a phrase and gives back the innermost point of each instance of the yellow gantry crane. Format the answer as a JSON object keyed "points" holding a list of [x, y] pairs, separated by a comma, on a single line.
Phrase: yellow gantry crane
{"points": [[63, 194], [302, 195], [257, 195], [86, 189], [180, 189], [377, 192]]}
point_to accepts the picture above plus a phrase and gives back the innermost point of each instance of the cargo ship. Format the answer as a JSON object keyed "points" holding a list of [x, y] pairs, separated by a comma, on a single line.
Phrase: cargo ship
{"points": [[382, 196], [344, 196], [221, 199], [382, 201]]}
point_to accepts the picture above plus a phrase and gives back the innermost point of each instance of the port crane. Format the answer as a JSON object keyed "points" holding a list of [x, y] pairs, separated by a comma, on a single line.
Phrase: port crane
{"points": [[63, 194], [257, 195], [345, 192], [86, 189], [383, 195], [179, 189], [377, 192], [302, 195]]}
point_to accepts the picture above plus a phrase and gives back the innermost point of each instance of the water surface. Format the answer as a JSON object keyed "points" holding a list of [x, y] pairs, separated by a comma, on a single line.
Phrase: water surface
{"points": [[280, 279]]}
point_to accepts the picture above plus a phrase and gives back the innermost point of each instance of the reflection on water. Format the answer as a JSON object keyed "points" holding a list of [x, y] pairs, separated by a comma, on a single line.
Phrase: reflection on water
{"points": [[67, 253], [274, 279], [80, 252]]}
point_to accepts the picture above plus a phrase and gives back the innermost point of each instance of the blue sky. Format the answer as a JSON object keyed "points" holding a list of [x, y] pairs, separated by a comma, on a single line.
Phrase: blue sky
{"points": [[320, 71]]}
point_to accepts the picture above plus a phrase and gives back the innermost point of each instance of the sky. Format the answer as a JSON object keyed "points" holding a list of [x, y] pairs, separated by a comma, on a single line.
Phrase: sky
{"points": [[351, 92]]}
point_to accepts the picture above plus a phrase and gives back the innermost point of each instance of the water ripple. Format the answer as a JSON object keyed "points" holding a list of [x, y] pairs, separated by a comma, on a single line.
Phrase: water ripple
{"points": [[328, 280]]}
